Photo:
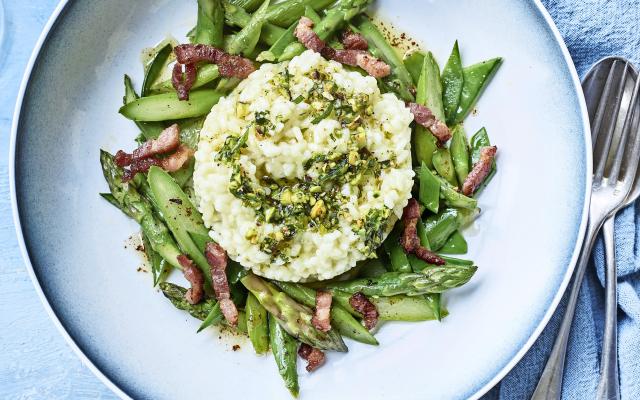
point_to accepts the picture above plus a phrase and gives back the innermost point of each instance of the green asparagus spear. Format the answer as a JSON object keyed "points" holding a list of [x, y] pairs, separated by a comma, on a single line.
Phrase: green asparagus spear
{"points": [[166, 106], [215, 316], [429, 189], [109, 197], [430, 80], [341, 319], [397, 256], [404, 308], [257, 325], [184, 174], [155, 67], [190, 131], [440, 227], [138, 208], [476, 78], [238, 17], [292, 316], [413, 63], [479, 140], [379, 47], [310, 13], [453, 198], [443, 164], [456, 244], [422, 235], [183, 219], [335, 18], [176, 294], [242, 322], [452, 82], [284, 348], [276, 49], [456, 261], [150, 130], [459, 149], [424, 144], [246, 40], [427, 92], [207, 73], [287, 12], [431, 280], [248, 5], [159, 266], [371, 268], [210, 23]]}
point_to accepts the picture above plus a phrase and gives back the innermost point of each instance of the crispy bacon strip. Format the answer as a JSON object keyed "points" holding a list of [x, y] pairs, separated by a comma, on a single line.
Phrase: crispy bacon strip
{"points": [[140, 166], [175, 161], [361, 58], [353, 41], [423, 116], [314, 357], [229, 65], [195, 277], [167, 141], [217, 258], [410, 241], [183, 82], [171, 163], [428, 256], [305, 35], [361, 304], [321, 316], [354, 57], [480, 170]]}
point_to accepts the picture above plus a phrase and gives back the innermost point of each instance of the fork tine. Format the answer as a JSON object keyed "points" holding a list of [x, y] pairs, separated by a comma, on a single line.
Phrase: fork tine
{"points": [[626, 129], [597, 120], [603, 155]]}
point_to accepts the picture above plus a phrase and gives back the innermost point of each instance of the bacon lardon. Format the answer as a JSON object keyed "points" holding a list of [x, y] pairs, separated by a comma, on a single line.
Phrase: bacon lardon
{"points": [[480, 170], [353, 41], [314, 357], [410, 241], [322, 314], [364, 306], [349, 56], [168, 140], [229, 65], [217, 259], [195, 277], [424, 116]]}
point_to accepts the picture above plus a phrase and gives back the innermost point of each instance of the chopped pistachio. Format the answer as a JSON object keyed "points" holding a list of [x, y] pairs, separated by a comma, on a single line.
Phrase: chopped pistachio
{"points": [[353, 157], [318, 209], [285, 197]]}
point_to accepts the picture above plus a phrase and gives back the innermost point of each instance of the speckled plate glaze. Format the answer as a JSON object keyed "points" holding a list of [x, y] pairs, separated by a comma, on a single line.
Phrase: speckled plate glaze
{"points": [[141, 347]]}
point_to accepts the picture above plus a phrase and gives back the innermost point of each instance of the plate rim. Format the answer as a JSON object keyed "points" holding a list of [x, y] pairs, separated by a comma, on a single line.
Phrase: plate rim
{"points": [[515, 359]]}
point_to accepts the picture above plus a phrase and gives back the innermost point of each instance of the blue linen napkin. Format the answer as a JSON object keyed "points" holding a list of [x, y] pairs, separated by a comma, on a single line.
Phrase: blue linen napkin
{"points": [[593, 29]]}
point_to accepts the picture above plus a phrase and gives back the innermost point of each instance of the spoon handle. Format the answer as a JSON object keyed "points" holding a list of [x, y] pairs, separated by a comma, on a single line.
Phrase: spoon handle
{"points": [[608, 386], [550, 384]]}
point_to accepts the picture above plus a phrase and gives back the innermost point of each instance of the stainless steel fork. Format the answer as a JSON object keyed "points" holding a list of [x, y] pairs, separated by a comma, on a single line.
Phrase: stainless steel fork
{"points": [[609, 383], [615, 161]]}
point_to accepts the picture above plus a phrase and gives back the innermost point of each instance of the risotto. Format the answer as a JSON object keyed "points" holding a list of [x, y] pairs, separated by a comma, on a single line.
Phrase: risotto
{"points": [[303, 169]]}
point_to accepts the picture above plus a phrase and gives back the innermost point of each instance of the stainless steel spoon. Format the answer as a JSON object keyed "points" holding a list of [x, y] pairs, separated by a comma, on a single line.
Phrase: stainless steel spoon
{"points": [[615, 162]]}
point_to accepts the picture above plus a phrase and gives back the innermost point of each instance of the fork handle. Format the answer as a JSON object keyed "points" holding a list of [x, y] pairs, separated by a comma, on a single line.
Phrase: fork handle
{"points": [[550, 384], [608, 386]]}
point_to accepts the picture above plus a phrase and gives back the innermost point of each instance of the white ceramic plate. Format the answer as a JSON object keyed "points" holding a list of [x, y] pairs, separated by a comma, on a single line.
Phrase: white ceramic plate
{"points": [[524, 243]]}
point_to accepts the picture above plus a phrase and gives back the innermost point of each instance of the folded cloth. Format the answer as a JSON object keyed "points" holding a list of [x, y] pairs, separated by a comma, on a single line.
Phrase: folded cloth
{"points": [[593, 29]]}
